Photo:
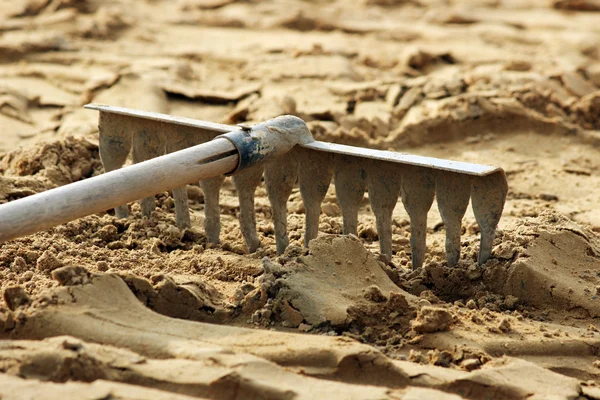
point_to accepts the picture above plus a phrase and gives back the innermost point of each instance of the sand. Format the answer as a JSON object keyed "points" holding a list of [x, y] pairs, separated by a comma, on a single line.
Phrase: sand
{"points": [[138, 308]]}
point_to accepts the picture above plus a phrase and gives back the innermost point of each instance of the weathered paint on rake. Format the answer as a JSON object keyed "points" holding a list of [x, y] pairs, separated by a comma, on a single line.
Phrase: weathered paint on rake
{"points": [[385, 175]]}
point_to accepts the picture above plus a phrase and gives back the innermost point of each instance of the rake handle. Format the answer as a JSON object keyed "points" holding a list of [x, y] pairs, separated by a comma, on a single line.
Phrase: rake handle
{"points": [[225, 154], [103, 192]]}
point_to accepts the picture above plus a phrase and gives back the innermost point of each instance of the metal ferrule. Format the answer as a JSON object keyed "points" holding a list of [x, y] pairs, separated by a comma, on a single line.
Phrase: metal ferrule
{"points": [[267, 140]]}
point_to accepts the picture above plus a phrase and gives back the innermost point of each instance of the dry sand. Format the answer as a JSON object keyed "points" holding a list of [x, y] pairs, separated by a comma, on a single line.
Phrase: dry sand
{"points": [[137, 308]]}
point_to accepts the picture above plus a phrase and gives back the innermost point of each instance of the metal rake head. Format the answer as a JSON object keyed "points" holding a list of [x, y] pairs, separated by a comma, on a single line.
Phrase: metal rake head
{"points": [[313, 165]]}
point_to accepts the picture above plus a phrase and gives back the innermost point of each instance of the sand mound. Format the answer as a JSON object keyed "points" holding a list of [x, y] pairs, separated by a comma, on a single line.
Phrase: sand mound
{"points": [[535, 248], [525, 270], [213, 374], [52, 164], [337, 282], [505, 378], [24, 172], [17, 388]]}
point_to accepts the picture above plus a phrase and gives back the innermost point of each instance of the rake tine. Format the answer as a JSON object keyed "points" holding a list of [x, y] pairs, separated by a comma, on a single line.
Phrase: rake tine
{"points": [[488, 196], [182, 211], [212, 212], [350, 186], [452, 194], [148, 143], [383, 185], [178, 139], [314, 177], [418, 190], [280, 177], [246, 183], [115, 145]]}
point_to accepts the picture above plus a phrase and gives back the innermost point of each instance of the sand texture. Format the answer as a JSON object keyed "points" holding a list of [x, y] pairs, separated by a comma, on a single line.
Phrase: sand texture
{"points": [[138, 308]]}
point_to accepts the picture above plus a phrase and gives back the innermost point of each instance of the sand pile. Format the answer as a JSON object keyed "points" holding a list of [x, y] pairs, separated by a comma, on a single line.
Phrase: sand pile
{"points": [[336, 285], [524, 271], [53, 164], [535, 248]]}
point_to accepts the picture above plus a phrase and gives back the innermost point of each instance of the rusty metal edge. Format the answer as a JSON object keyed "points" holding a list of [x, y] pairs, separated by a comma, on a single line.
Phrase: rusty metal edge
{"points": [[395, 157]]}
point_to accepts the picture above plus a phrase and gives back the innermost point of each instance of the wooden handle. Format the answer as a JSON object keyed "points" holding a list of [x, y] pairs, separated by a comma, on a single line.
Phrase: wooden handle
{"points": [[67, 203]]}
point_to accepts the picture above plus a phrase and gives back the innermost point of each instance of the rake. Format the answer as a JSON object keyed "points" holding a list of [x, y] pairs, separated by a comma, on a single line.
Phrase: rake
{"points": [[169, 152]]}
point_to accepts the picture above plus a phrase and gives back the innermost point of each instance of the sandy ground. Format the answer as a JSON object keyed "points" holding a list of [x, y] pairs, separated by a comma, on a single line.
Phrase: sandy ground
{"points": [[137, 308]]}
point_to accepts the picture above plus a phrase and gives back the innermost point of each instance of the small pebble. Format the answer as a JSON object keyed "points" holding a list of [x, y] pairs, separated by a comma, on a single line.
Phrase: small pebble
{"points": [[471, 304]]}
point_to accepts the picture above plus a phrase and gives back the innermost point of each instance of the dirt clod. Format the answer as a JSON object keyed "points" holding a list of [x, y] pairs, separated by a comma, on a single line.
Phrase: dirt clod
{"points": [[15, 297], [48, 262], [432, 319], [71, 275]]}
